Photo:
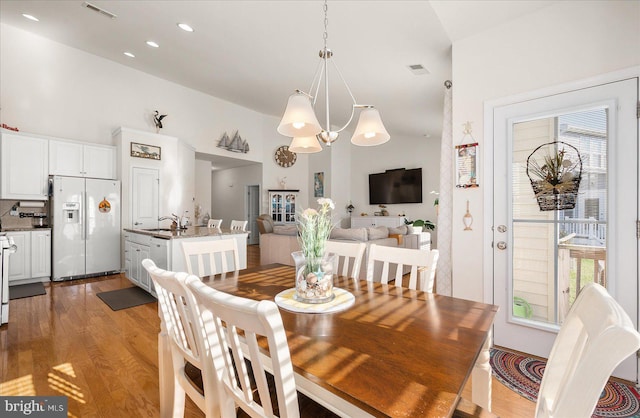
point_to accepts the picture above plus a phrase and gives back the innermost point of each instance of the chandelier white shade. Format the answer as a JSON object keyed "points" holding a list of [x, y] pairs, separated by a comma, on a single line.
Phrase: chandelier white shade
{"points": [[301, 123], [305, 145], [370, 130], [299, 118]]}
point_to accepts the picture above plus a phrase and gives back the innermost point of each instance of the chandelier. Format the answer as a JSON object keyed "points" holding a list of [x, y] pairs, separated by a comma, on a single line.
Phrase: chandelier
{"points": [[300, 122]]}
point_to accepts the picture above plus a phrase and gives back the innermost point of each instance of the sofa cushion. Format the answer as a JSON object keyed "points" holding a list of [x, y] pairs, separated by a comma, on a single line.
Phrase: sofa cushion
{"points": [[285, 230], [351, 234], [400, 230], [377, 232]]}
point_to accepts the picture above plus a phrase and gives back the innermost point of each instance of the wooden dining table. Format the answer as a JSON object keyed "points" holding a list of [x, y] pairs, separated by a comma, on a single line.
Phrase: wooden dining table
{"points": [[395, 352]]}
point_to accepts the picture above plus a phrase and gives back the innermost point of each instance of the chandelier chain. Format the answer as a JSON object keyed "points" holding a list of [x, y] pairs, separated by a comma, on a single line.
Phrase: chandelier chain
{"points": [[325, 35]]}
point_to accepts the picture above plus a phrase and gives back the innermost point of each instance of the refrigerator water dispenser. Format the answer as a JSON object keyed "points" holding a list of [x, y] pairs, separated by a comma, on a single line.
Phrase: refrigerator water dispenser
{"points": [[71, 212]]}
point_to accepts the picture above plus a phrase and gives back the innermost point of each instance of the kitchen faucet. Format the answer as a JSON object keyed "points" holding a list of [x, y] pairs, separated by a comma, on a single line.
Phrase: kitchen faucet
{"points": [[180, 221]]}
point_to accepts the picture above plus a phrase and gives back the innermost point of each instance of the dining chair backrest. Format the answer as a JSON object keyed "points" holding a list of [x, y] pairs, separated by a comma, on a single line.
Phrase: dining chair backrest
{"points": [[594, 338], [239, 323], [214, 223], [189, 350], [348, 253], [238, 225], [422, 264], [207, 258]]}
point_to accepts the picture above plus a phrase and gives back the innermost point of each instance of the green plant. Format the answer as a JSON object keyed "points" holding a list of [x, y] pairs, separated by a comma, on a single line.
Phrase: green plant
{"points": [[428, 225]]}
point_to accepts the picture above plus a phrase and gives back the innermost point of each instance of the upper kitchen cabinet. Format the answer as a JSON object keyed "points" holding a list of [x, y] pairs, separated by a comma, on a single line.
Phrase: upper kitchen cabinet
{"points": [[24, 169], [67, 158]]}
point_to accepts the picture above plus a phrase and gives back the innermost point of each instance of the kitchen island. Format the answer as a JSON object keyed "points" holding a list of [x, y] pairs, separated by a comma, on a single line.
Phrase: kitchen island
{"points": [[163, 246]]}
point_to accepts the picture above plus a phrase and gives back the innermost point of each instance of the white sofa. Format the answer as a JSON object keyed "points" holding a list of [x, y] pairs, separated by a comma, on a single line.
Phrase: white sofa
{"points": [[277, 242]]}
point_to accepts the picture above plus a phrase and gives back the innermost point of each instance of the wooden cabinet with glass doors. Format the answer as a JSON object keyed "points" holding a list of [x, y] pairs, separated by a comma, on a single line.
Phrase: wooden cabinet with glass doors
{"points": [[282, 206]]}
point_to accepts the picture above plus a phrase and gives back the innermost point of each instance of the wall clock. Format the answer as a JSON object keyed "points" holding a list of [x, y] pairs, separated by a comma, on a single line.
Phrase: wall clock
{"points": [[284, 157]]}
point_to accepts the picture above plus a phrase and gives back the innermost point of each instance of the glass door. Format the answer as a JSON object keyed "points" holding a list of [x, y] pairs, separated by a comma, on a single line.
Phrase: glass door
{"points": [[565, 209]]}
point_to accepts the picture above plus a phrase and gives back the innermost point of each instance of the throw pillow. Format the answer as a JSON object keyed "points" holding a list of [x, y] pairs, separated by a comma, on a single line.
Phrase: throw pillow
{"points": [[285, 230], [400, 230], [378, 232], [353, 234]]}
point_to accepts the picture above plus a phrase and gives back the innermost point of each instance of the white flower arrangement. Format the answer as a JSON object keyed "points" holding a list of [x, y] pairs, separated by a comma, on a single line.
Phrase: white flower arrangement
{"points": [[314, 227]]}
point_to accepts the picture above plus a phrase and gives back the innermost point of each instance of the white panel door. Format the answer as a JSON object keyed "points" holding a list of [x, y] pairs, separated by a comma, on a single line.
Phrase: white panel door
{"points": [[145, 183], [543, 256], [41, 253]]}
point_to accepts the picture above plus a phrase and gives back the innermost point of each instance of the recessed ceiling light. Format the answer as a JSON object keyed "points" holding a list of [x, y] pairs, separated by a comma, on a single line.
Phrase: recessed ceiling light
{"points": [[35, 19], [153, 44], [129, 54], [185, 27]]}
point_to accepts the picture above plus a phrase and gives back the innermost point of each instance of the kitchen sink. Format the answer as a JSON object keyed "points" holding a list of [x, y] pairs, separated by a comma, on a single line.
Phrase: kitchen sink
{"points": [[158, 229]]}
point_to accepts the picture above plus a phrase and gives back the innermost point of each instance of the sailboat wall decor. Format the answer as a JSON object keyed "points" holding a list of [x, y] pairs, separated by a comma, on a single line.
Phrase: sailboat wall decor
{"points": [[235, 144]]}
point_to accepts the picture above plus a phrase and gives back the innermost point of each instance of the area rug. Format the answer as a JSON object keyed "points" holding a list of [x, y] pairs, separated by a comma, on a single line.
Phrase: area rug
{"points": [[26, 290], [126, 298], [523, 375]]}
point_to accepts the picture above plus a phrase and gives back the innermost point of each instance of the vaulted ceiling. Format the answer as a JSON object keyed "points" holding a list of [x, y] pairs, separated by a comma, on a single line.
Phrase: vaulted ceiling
{"points": [[255, 53]]}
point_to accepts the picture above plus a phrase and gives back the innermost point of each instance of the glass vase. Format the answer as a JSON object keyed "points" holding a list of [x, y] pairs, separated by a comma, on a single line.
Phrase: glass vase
{"points": [[314, 277]]}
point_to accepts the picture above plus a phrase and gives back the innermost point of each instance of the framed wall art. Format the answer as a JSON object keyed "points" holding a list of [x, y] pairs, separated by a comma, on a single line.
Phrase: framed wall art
{"points": [[318, 184], [145, 151], [467, 165]]}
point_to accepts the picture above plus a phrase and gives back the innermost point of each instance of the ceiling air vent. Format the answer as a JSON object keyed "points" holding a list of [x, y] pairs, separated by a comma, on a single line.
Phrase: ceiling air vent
{"points": [[98, 10], [418, 69]]}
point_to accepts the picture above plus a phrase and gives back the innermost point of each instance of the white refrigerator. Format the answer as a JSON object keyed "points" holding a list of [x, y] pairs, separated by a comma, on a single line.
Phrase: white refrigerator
{"points": [[86, 227]]}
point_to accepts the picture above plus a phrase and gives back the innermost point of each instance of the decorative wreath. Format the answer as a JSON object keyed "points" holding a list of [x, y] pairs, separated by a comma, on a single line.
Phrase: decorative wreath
{"points": [[555, 170]]}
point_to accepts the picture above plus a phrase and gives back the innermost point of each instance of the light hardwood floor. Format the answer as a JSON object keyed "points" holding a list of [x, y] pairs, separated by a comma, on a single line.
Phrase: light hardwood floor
{"points": [[70, 343]]}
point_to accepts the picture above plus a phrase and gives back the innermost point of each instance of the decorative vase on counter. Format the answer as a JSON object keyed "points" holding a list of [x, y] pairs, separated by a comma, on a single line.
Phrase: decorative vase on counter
{"points": [[314, 277]]}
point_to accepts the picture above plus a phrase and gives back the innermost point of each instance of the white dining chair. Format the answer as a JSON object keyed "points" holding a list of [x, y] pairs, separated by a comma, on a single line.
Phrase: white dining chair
{"points": [[238, 324], [214, 223], [594, 338], [208, 258], [180, 325], [348, 253], [423, 263], [238, 225]]}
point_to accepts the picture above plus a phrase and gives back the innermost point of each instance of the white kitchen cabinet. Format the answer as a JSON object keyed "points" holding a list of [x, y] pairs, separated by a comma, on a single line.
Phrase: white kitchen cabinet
{"points": [[282, 206], [24, 165], [369, 221], [32, 260], [20, 261], [41, 254], [137, 247], [69, 158]]}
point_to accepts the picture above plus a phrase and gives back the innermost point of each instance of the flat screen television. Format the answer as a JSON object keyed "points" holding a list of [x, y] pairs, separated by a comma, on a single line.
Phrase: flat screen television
{"points": [[396, 186]]}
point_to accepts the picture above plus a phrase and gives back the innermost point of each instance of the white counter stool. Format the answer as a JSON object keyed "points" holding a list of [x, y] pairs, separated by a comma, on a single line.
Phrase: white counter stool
{"points": [[238, 225], [208, 258], [214, 223]]}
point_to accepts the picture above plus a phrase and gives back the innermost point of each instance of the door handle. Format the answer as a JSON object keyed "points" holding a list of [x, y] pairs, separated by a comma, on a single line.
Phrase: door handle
{"points": [[137, 223], [501, 245], [502, 228]]}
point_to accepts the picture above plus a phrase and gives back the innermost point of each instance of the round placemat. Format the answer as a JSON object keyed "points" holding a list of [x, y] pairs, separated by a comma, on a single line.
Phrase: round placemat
{"points": [[342, 300]]}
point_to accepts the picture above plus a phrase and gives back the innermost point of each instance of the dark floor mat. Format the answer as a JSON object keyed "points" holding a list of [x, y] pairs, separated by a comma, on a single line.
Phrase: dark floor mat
{"points": [[126, 298], [26, 290]]}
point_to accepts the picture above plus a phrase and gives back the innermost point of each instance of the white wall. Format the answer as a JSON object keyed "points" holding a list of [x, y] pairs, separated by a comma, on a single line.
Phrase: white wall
{"points": [[561, 43], [399, 152], [203, 186], [228, 192]]}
